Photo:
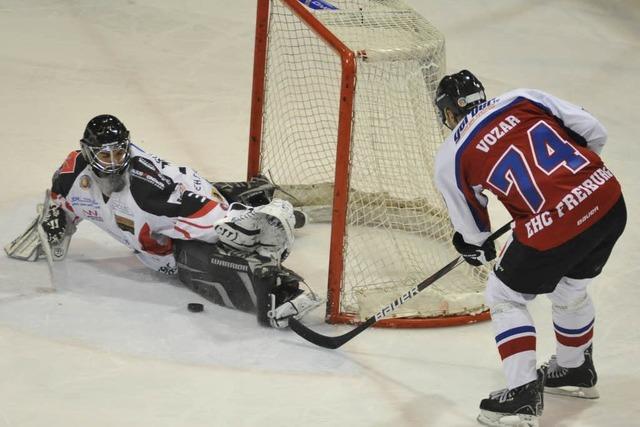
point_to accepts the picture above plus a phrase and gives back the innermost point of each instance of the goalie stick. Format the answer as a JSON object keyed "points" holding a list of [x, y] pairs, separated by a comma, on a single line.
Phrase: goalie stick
{"points": [[337, 341]]}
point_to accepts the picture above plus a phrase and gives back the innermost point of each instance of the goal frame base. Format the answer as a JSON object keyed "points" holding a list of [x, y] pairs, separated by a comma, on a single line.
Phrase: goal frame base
{"points": [[414, 322]]}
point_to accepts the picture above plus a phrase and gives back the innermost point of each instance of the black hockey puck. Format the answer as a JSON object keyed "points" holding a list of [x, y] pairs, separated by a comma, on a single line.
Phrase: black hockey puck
{"points": [[195, 307], [300, 217]]}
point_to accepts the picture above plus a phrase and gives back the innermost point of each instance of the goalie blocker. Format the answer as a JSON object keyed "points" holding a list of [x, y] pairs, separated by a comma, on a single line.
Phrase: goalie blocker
{"points": [[244, 281]]}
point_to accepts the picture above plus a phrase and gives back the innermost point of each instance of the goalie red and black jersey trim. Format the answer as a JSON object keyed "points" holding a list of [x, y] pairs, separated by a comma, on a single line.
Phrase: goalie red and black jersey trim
{"points": [[67, 173], [159, 195]]}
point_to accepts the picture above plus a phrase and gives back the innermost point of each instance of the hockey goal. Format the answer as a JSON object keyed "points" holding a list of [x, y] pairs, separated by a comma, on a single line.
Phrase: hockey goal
{"points": [[343, 120]]}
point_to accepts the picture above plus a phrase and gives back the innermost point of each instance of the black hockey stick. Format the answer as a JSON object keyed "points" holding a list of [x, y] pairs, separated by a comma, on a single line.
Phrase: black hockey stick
{"points": [[335, 342]]}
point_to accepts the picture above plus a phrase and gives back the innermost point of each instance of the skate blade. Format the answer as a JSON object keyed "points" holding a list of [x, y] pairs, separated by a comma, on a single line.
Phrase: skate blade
{"points": [[572, 391], [496, 419]]}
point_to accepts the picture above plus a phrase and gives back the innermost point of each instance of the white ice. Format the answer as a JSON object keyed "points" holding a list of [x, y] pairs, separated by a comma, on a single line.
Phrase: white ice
{"points": [[115, 344]]}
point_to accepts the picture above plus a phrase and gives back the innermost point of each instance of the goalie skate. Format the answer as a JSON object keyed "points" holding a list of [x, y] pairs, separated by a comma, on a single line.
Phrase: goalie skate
{"points": [[296, 307], [286, 299]]}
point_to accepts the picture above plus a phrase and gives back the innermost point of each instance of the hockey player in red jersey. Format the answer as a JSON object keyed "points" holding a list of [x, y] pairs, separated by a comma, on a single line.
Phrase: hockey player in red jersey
{"points": [[539, 156], [225, 241]]}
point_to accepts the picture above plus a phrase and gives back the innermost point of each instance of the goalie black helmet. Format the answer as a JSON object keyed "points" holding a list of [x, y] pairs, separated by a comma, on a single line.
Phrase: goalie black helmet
{"points": [[459, 93], [105, 145]]}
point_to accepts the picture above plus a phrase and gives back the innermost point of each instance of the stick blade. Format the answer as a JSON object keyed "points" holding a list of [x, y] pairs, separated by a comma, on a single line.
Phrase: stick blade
{"points": [[313, 337]]}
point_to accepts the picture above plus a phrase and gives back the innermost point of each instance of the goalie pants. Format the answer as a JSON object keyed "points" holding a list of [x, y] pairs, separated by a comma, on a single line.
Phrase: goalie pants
{"points": [[563, 274]]}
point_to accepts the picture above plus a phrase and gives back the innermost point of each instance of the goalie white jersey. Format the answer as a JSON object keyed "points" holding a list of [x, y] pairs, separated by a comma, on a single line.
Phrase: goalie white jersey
{"points": [[160, 202]]}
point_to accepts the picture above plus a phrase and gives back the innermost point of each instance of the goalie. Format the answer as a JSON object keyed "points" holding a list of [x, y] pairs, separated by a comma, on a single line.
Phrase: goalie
{"points": [[225, 241]]}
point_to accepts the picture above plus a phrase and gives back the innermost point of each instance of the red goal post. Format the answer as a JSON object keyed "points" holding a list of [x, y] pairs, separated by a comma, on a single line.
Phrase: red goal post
{"points": [[306, 84]]}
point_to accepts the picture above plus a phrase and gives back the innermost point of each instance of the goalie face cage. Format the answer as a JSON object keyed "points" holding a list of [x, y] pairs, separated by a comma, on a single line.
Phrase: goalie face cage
{"points": [[343, 119]]}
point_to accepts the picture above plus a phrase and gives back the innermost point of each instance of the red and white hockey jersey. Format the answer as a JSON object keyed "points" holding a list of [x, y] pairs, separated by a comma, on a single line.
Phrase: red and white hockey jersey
{"points": [[160, 202], [539, 155]]}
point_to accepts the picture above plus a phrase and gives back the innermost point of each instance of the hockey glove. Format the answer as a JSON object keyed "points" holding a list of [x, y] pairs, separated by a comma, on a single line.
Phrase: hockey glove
{"points": [[474, 255], [54, 224]]}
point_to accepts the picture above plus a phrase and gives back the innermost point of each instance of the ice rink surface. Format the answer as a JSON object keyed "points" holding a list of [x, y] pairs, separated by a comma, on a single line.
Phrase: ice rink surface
{"points": [[114, 345]]}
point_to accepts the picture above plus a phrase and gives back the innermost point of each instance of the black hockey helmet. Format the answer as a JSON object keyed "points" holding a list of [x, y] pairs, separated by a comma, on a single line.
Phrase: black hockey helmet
{"points": [[105, 145], [459, 92]]}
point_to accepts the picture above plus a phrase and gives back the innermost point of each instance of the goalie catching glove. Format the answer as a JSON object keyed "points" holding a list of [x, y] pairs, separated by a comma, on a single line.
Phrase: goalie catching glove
{"points": [[474, 255]]}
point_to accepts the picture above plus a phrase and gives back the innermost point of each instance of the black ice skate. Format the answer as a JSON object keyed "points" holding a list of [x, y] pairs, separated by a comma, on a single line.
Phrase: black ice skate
{"points": [[518, 407], [575, 382]]}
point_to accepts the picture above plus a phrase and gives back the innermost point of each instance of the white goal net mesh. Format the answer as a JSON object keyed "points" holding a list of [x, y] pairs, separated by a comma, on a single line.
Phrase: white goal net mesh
{"points": [[398, 232]]}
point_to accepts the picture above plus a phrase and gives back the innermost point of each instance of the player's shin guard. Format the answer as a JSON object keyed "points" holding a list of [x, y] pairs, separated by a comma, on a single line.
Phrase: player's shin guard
{"points": [[571, 369], [573, 320], [515, 334]]}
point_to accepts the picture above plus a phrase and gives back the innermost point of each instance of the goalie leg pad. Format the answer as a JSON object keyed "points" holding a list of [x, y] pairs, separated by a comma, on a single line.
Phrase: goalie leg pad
{"points": [[240, 229], [258, 191], [222, 278], [267, 230], [276, 236], [255, 192], [246, 282]]}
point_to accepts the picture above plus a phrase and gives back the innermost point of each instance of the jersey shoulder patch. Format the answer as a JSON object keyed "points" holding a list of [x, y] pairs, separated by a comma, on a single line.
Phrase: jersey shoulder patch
{"points": [[67, 173], [71, 163]]}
